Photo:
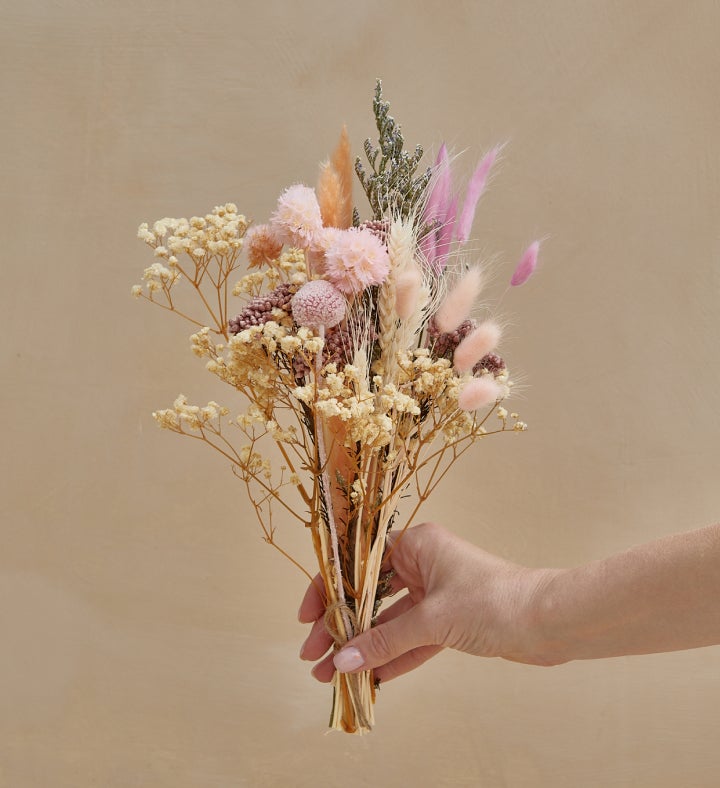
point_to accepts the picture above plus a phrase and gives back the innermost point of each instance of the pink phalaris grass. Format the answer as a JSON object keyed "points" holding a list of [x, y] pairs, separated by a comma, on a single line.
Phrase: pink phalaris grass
{"points": [[355, 259], [479, 392], [437, 208], [407, 291], [478, 343], [459, 301], [441, 211], [527, 265], [475, 188], [297, 219]]}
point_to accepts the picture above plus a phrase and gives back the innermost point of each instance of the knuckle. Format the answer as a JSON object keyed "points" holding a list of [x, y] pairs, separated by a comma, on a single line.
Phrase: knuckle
{"points": [[382, 643]]}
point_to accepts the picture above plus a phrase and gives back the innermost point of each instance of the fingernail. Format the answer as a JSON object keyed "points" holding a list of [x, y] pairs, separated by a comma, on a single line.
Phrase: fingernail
{"points": [[348, 659], [302, 650]]}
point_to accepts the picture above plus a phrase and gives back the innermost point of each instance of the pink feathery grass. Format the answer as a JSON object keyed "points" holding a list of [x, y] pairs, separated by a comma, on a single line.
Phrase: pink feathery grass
{"points": [[436, 208], [474, 191], [478, 393], [527, 265], [407, 290], [478, 343], [459, 301], [445, 233]]}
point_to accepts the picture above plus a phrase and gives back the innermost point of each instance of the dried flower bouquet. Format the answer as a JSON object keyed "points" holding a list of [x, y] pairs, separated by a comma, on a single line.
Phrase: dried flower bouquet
{"points": [[356, 351]]}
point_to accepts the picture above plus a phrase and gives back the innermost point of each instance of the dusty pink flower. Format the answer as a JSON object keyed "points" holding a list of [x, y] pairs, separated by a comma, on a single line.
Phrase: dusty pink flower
{"points": [[355, 259], [262, 245], [318, 303], [297, 218], [478, 393]]}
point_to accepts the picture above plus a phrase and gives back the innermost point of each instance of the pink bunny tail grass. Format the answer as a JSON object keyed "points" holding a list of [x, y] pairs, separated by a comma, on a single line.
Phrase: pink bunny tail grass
{"points": [[474, 191], [525, 268], [478, 343], [445, 234], [407, 292], [436, 206], [479, 392], [459, 301]]}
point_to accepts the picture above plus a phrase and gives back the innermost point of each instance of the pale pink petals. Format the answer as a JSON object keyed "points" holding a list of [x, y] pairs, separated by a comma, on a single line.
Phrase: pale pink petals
{"points": [[478, 343], [526, 266], [355, 259], [474, 191], [407, 291], [459, 301], [479, 392], [297, 218]]}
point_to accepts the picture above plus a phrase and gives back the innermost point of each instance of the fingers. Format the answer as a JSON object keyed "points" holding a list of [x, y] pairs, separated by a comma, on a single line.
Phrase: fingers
{"points": [[407, 662], [317, 642], [313, 605], [385, 642]]}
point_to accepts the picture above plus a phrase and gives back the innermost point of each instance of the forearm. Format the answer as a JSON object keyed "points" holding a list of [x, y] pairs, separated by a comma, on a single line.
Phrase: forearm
{"points": [[661, 596]]}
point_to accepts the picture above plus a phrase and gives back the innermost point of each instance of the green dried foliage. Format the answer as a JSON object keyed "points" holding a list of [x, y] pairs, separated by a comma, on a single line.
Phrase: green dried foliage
{"points": [[392, 185]]}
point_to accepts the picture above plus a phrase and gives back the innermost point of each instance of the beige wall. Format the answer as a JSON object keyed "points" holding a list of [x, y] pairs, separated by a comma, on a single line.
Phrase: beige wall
{"points": [[148, 635]]}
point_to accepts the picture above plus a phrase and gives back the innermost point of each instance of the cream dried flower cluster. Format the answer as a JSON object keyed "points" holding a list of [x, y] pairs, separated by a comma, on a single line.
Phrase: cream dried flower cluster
{"points": [[356, 351]]}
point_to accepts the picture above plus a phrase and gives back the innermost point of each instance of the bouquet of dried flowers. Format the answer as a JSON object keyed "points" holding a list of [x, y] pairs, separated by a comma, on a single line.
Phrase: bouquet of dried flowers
{"points": [[356, 351]]}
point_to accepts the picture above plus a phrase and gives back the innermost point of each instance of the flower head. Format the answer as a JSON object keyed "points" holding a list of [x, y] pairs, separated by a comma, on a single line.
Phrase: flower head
{"points": [[297, 217], [262, 245], [318, 303], [355, 259]]}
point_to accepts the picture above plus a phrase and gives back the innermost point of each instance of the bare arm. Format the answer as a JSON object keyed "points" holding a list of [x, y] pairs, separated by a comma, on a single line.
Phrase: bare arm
{"points": [[660, 596]]}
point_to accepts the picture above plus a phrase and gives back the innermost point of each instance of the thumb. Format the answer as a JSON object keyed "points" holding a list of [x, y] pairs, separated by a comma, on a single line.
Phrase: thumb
{"points": [[384, 643]]}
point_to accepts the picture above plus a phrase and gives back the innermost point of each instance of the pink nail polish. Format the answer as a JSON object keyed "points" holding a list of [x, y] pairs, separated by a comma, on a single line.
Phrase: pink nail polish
{"points": [[348, 659]]}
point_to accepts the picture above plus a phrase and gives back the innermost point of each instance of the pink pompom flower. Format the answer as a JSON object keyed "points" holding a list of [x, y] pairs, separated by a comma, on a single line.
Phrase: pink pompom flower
{"points": [[297, 220], [356, 259]]}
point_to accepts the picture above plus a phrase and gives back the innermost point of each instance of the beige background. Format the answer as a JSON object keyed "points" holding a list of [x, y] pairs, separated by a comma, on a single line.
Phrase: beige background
{"points": [[148, 635]]}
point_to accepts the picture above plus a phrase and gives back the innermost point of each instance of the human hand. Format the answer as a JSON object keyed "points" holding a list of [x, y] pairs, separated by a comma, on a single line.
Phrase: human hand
{"points": [[458, 596]]}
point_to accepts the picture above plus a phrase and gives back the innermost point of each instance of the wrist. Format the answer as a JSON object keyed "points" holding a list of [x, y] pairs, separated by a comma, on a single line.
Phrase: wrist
{"points": [[539, 640]]}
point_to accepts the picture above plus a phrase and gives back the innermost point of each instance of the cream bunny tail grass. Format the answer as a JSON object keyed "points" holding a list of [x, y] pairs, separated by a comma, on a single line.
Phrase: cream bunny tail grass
{"points": [[459, 301], [478, 343]]}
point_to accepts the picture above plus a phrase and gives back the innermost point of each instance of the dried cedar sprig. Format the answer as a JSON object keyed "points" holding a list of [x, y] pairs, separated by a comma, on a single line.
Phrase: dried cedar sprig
{"points": [[392, 184]]}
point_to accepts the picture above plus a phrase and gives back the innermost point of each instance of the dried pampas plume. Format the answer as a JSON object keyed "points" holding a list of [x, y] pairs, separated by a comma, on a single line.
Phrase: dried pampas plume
{"points": [[458, 302], [334, 189]]}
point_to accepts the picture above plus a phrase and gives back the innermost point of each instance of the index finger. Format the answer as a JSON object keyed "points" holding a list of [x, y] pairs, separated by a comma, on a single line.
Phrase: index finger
{"points": [[314, 602]]}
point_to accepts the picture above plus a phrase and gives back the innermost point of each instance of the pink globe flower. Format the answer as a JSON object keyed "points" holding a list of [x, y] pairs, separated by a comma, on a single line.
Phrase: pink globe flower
{"points": [[318, 303], [355, 259]]}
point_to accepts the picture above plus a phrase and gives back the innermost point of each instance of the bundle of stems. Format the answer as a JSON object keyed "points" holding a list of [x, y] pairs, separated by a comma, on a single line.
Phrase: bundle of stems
{"points": [[357, 355]]}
